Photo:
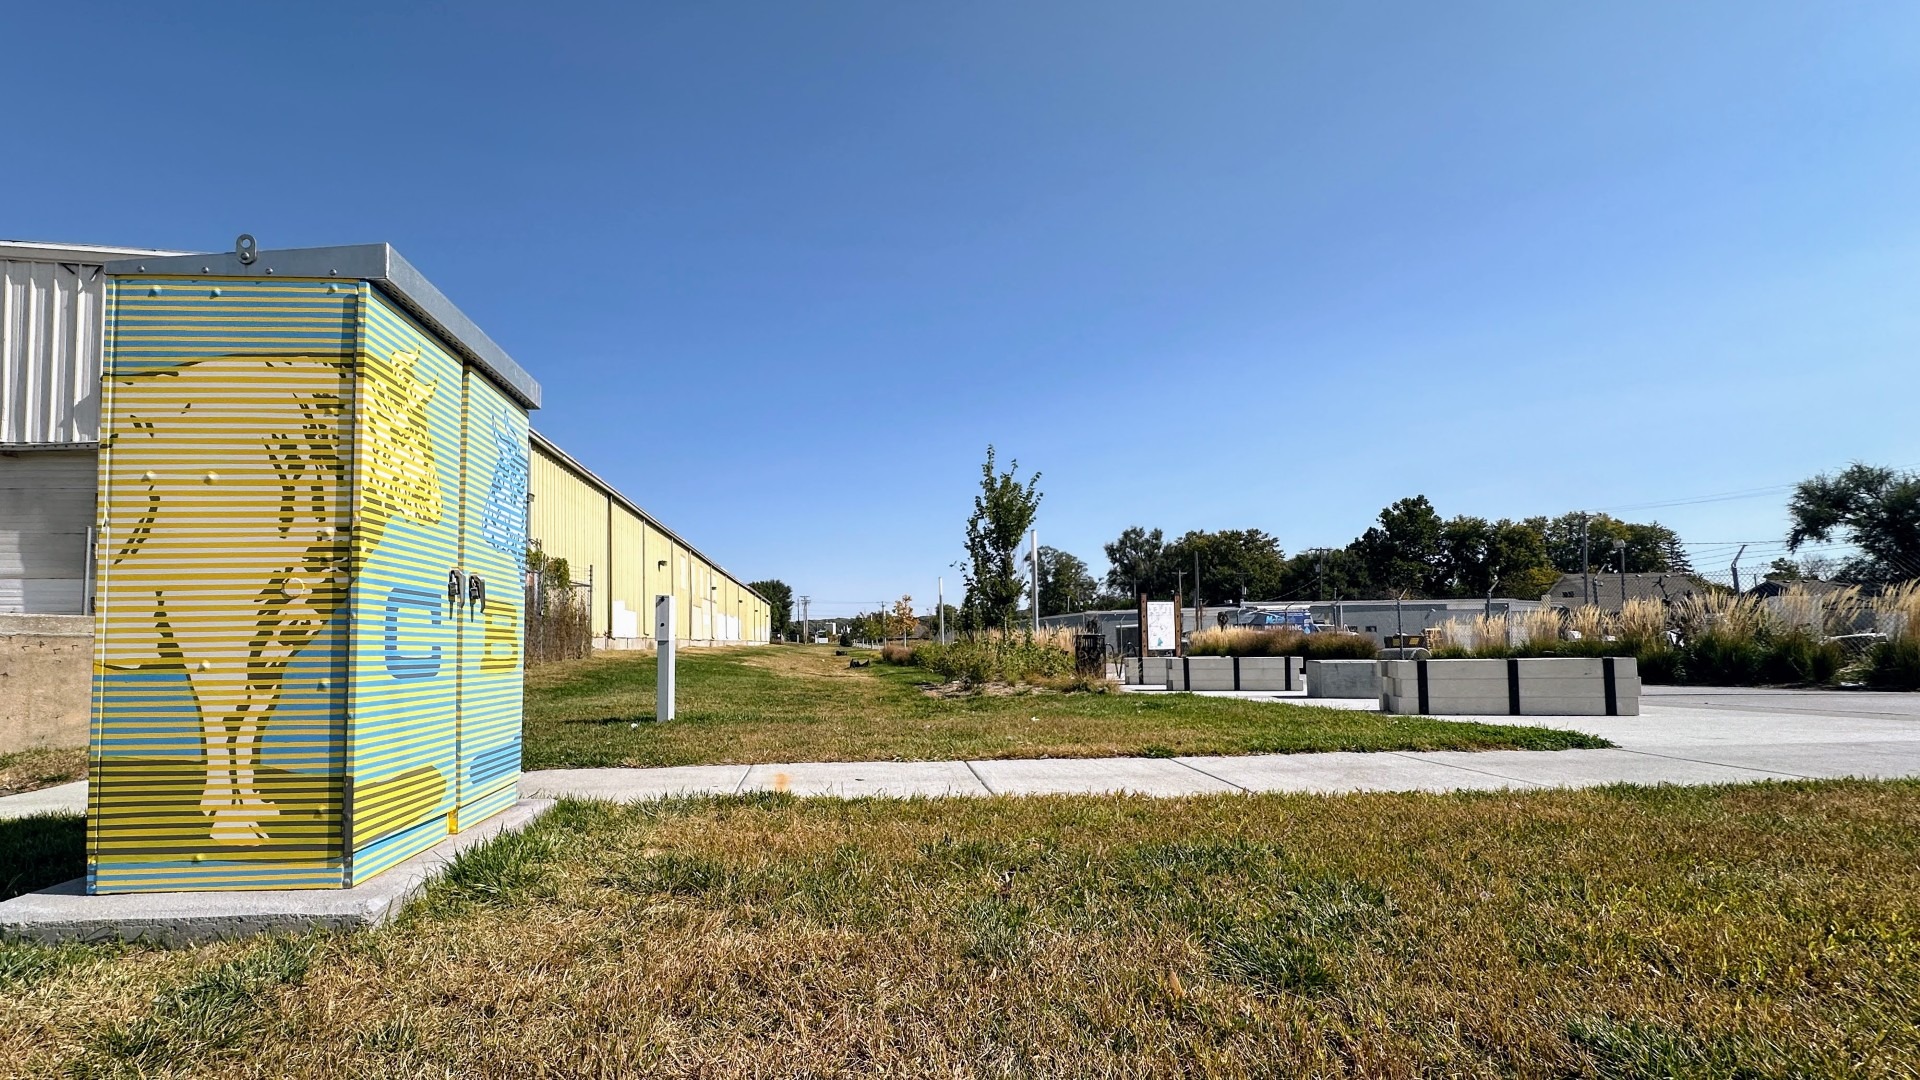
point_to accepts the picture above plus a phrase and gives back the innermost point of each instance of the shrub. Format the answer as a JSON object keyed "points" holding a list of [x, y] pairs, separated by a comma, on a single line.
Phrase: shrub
{"points": [[997, 658], [1895, 662], [1799, 656], [1281, 641], [894, 652], [1339, 645]]}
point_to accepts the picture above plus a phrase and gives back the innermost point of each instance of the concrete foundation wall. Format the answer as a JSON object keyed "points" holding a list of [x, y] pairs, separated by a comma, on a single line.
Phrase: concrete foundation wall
{"points": [[46, 681]]}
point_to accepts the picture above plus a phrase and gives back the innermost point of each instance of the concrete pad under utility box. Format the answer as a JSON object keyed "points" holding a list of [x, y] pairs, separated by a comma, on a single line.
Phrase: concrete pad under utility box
{"points": [[1236, 673], [1343, 678], [67, 913]]}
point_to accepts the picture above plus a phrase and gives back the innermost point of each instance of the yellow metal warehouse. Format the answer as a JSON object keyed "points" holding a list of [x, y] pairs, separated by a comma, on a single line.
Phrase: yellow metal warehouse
{"points": [[631, 558]]}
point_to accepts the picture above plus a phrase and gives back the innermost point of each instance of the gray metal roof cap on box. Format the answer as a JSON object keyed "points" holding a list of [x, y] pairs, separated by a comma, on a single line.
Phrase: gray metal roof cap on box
{"points": [[377, 263]]}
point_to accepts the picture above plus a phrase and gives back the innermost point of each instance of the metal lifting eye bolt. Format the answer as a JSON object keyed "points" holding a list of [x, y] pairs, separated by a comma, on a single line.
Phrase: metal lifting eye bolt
{"points": [[246, 249]]}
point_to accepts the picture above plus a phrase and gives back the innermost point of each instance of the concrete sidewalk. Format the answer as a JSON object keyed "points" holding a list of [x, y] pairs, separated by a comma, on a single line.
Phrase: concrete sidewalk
{"points": [[1683, 736]]}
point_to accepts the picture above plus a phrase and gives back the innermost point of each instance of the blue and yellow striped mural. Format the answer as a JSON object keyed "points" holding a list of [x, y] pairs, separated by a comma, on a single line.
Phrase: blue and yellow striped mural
{"points": [[309, 565]]}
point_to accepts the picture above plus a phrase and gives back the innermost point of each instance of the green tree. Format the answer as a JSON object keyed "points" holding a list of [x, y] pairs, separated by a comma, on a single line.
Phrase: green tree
{"points": [[1651, 548], [779, 597], [1136, 562], [1234, 564], [1322, 574], [1065, 583], [1002, 513], [1481, 557], [1404, 553], [1874, 508]]}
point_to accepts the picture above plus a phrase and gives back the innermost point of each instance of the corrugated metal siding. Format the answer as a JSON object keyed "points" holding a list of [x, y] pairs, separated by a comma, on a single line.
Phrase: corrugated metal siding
{"points": [[569, 519], [46, 508], [578, 520], [627, 579], [50, 330]]}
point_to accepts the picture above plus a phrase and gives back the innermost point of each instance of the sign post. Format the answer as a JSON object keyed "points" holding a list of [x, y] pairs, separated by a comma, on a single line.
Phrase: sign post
{"points": [[1159, 634], [664, 645]]}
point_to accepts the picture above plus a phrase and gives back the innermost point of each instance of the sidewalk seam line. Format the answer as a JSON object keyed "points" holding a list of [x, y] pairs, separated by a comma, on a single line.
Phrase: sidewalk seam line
{"points": [[1237, 787], [977, 776], [1408, 755], [1720, 764]]}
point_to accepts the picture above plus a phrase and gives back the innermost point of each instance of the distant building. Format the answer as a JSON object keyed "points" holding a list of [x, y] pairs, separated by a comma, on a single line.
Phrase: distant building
{"points": [[1606, 591], [1770, 588], [1376, 619]]}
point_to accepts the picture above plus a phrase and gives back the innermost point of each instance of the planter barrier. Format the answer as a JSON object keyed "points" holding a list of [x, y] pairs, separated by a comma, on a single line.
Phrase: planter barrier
{"points": [[1236, 673], [1540, 686], [1343, 678], [1155, 673]]}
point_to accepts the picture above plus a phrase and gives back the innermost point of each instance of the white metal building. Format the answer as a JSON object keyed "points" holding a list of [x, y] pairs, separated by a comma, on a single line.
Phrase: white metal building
{"points": [[51, 298]]}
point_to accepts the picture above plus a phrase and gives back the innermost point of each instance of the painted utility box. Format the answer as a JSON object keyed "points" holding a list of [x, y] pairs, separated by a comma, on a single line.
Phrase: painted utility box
{"points": [[311, 549]]}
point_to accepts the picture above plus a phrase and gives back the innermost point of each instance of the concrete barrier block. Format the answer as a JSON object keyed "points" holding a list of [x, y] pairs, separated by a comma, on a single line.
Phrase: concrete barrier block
{"points": [[1539, 686], [1151, 671], [1236, 673], [1343, 678]]}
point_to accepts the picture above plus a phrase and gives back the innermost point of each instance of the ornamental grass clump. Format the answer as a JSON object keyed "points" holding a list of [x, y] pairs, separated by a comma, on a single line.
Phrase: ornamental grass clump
{"points": [[1484, 636], [1281, 641], [1894, 661]]}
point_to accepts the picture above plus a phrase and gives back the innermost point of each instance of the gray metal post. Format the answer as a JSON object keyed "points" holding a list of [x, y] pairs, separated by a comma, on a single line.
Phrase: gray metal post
{"points": [[1035, 549], [665, 645], [1736, 568], [940, 606]]}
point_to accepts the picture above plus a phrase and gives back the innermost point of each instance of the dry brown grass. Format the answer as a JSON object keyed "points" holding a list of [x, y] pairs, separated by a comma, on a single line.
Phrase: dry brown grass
{"points": [[30, 770], [1763, 931]]}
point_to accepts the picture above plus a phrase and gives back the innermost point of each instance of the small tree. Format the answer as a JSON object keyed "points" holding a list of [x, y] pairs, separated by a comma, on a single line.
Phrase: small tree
{"points": [[1002, 513], [901, 621]]}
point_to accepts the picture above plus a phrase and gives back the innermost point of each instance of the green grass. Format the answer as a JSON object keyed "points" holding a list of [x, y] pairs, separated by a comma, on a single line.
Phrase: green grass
{"points": [[1768, 930], [792, 703]]}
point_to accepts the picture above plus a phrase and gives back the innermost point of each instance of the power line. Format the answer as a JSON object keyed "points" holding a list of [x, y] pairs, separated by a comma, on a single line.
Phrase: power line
{"points": [[1724, 496]]}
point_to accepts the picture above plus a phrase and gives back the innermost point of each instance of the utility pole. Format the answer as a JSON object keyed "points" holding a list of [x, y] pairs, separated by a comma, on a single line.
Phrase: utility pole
{"points": [[1586, 564], [1736, 568], [806, 625], [940, 605], [1199, 613], [1034, 535]]}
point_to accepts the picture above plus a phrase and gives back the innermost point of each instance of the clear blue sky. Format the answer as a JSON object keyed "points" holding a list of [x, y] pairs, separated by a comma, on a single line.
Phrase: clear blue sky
{"points": [[785, 269]]}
